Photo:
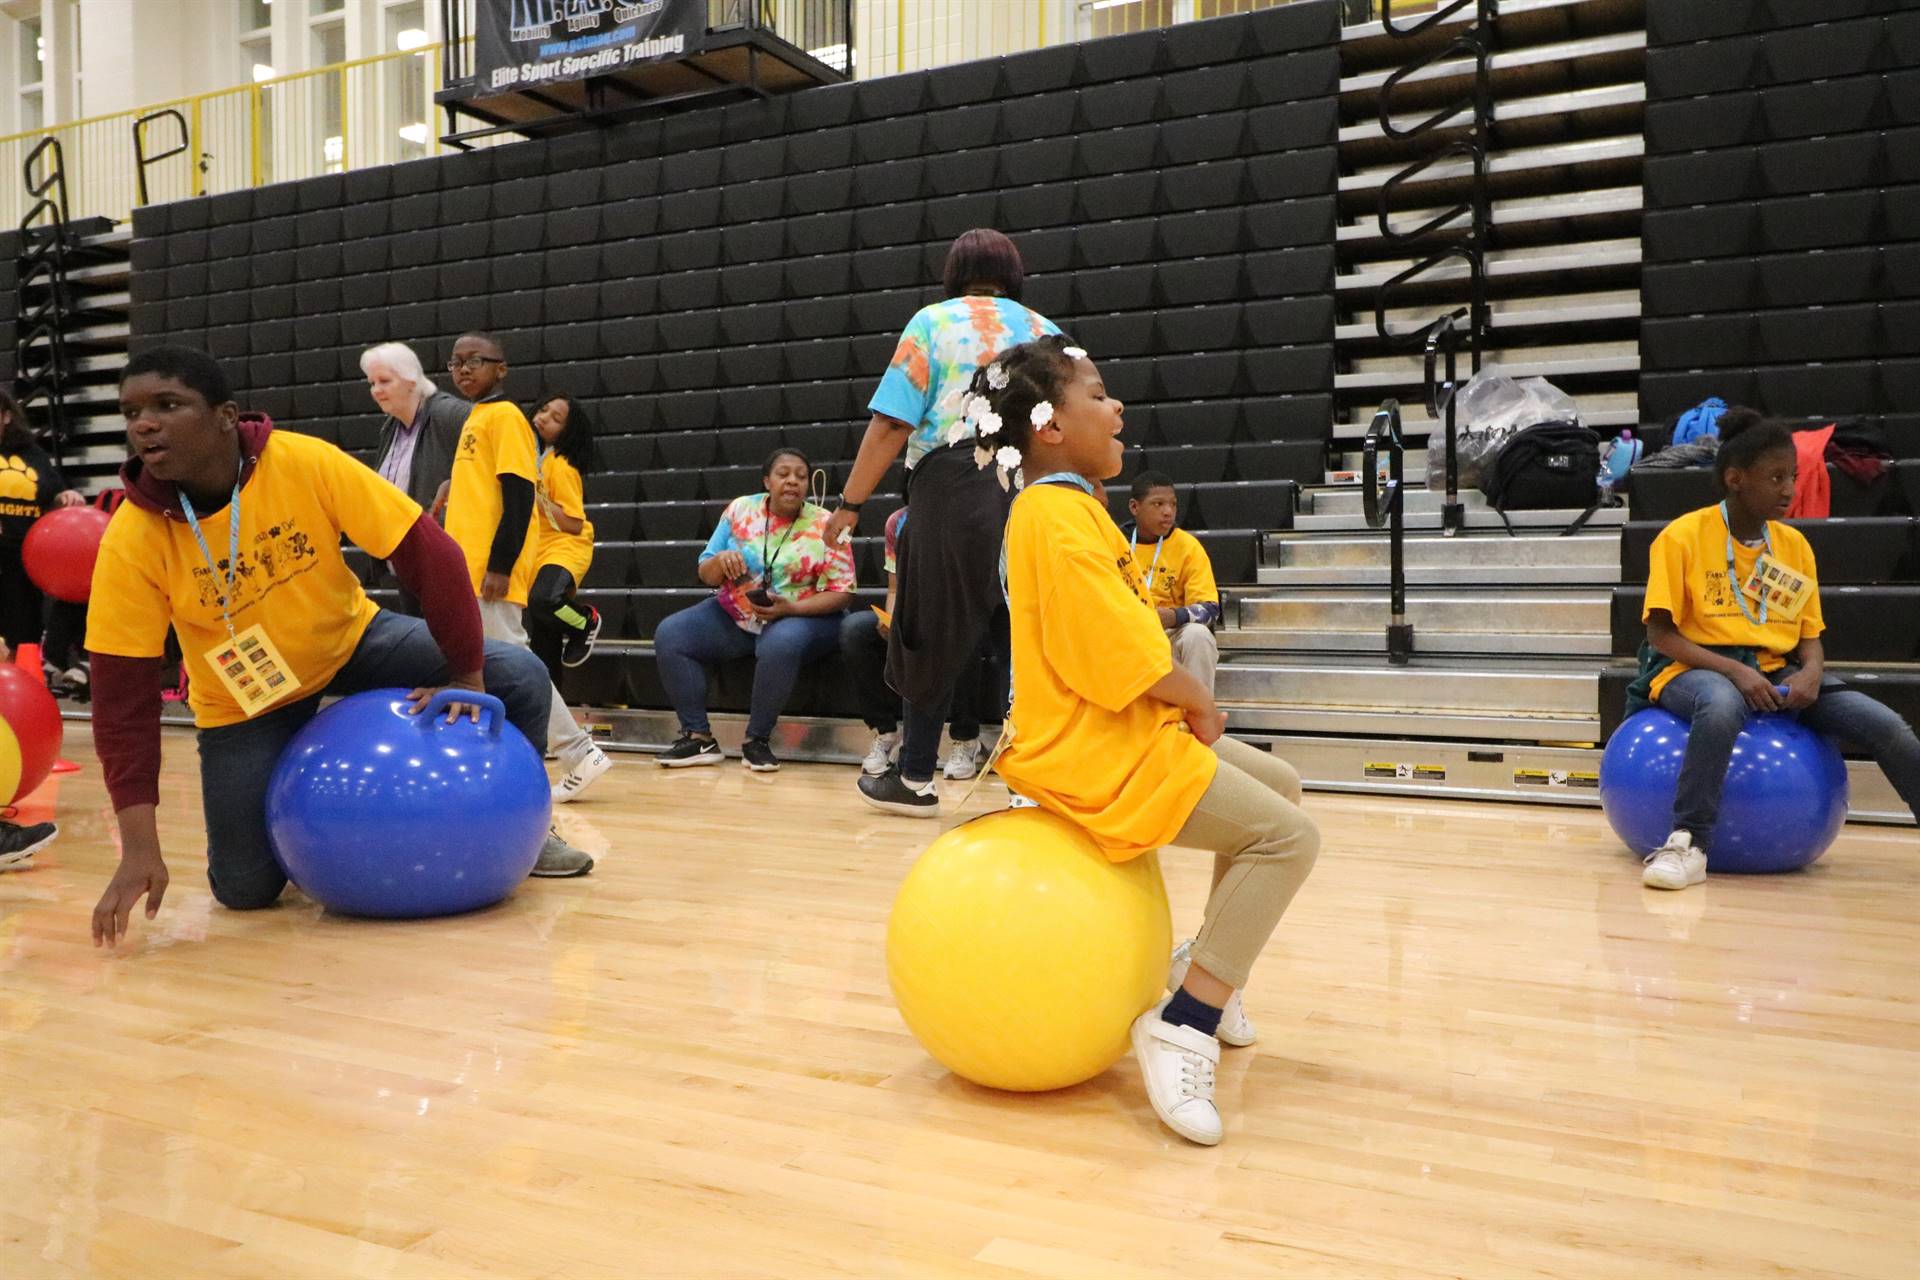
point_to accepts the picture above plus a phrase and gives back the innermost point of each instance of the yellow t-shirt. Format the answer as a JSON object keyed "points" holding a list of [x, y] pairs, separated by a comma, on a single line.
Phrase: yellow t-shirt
{"points": [[303, 495], [1086, 744], [497, 441], [560, 487], [1687, 576], [1180, 575]]}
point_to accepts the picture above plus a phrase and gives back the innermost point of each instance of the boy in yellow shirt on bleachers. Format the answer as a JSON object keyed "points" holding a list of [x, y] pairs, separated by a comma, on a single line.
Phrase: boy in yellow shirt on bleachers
{"points": [[1176, 572], [1109, 732]]}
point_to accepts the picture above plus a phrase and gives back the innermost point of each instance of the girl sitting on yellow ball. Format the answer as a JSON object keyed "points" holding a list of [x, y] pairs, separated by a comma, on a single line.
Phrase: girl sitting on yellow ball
{"points": [[1109, 732]]}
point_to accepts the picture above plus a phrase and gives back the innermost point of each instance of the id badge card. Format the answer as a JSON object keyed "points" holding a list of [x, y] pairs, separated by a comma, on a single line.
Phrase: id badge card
{"points": [[1777, 587], [253, 670]]}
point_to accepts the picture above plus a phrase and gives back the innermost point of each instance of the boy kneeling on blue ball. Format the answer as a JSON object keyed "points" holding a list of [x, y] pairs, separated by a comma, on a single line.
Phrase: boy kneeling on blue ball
{"points": [[1733, 610], [231, 535]]}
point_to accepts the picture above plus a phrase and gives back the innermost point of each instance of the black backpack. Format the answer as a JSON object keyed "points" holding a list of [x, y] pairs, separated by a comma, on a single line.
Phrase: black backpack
{"points": [[1546, 466]]}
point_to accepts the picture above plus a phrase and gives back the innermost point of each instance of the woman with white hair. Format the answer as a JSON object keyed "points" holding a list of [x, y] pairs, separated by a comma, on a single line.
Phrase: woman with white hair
{"points": [[421, 431]]}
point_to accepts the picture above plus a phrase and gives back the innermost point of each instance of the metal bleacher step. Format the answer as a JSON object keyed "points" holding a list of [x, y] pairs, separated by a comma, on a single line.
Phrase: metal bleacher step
{"points": [[1518, 700], [1503, 167], [1420, 520], [1508, 320], [1600, 412], [1513, 71], [1550, 262], [1512, 216], [1555, 106], [1557, 622], [1553, 364], [1471, 558]]}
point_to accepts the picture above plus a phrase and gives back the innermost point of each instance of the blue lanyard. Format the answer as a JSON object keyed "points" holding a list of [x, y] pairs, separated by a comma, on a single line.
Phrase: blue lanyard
{"points": [[1073, 478], [1133, 547], [1733, 578], [233, 548]]}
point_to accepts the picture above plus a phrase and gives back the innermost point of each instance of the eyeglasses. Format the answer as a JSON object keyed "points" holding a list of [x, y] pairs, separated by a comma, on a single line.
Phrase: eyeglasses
{"points": [[472, 363]]}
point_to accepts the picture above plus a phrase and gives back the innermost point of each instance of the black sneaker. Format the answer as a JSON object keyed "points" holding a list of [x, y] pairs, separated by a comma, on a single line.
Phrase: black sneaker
{"points": [[893, 794], [690, 751], [19, 844], [759, 757], [579, 646]]}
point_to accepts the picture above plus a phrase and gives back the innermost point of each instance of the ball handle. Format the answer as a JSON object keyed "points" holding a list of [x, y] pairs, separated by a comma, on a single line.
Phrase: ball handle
{"points": [[495, 711], [1782, 690]]}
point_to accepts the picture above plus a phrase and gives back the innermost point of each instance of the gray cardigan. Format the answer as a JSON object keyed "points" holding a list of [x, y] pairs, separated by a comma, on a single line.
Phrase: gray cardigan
{"points": [[433, 451]]}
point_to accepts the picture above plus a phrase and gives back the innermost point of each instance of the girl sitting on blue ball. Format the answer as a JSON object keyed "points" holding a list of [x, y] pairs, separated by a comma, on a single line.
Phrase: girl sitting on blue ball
{"points": [[1732, 611]]}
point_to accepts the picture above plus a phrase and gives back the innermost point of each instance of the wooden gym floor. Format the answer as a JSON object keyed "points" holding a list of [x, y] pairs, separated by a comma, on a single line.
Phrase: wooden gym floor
{"points": [[1486, 1052]]}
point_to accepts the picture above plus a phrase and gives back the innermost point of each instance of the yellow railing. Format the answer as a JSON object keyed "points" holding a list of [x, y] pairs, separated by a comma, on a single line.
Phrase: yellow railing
{"points": [[351, 115]]}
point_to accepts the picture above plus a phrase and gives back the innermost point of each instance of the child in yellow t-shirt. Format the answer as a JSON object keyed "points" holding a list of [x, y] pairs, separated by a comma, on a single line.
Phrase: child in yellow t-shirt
{"points": [[1177, 574], [562, 629], [490, 513], [1716, 653], [1107, 730]]}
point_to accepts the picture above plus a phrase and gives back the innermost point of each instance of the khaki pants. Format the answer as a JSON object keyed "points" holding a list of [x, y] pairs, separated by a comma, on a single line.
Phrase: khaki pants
{"points": [[1195, 649], [503, 620], [1263, 846]]}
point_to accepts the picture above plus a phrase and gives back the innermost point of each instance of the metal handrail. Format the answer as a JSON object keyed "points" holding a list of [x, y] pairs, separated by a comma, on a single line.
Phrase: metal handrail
{"points": [[1437, 16], [1385, 505], [1443, 336], [43, 238], [141, 160], [1476, 269], [1471, 46]]}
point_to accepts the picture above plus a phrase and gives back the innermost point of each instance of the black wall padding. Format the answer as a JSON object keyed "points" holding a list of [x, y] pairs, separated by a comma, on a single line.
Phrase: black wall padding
{"points": [[1781, 239], [724, 282]]}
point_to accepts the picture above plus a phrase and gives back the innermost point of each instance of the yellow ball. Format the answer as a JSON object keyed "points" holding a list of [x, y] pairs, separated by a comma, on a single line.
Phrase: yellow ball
{"points": [[9, 760], [1020, 955]]}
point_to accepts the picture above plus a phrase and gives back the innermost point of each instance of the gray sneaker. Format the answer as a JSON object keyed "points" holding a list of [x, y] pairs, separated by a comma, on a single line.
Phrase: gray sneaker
{"points": [[558, 859]]}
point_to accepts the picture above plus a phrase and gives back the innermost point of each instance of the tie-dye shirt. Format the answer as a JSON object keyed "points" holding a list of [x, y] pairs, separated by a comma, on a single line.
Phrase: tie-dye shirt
{"points": [[802, 563], [939, 352]]}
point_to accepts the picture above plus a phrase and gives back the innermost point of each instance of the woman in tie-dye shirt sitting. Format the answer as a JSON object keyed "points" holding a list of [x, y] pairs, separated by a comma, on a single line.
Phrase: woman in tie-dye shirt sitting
{"points": [[779, 592]]}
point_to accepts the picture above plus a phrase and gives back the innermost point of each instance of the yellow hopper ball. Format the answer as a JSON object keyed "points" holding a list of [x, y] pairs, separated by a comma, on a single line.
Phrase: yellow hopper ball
{"points": [[9, 760], [1020, 955]]}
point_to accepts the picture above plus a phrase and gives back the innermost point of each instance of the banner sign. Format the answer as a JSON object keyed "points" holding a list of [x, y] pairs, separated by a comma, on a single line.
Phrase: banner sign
{"points": [[521, 44]]}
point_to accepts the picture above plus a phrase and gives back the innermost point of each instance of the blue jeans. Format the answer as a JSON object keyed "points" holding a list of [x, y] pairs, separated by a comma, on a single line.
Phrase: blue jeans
{"points": [[1715, 713], [694, 639], [237, 760]]}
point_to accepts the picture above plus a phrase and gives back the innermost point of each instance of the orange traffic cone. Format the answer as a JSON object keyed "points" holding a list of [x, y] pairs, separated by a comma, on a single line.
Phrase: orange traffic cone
{"points": [[27, 658]]}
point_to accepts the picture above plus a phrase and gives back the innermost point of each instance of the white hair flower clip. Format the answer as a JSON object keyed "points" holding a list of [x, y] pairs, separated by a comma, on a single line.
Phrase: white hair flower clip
{"points": [[1074, 353], [989, 423], [997, 378], [1042, 413], [982, 456], [1008, 457], [958, 432]]}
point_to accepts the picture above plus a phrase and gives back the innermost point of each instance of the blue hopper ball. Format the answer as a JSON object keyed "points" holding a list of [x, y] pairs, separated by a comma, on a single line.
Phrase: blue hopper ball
{"points": [[1785, 798], [375, 811]]}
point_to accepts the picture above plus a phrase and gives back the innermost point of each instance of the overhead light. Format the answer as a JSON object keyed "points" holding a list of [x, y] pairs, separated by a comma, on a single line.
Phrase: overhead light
{"points": [[410, 39], [415, 133], [262, 73]]}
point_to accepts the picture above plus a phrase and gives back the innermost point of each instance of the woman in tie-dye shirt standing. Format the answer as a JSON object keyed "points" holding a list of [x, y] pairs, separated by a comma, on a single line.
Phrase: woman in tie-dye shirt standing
{"points": [[949, 605]]}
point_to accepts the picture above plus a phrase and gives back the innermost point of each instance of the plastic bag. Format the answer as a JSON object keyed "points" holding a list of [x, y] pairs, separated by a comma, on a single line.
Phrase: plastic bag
{"points": [[1488, 410]]}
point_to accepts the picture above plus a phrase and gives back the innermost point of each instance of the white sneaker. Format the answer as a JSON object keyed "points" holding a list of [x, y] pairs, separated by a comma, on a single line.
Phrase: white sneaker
{"points": [[1675, 864], [1177, 1064], [581, 776], [963, 760], [880, 755], [1017, 801], [1236, 1028]]}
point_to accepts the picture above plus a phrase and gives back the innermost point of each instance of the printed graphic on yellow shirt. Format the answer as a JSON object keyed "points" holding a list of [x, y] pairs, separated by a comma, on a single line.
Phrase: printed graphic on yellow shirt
{"points": [[19, 487]]}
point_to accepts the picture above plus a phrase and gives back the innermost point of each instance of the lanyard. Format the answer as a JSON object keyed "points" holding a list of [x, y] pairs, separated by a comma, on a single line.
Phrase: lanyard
{"points": [[1739, 596], [1073, 478], [1133, 546], [766, 530], [233, 548]]}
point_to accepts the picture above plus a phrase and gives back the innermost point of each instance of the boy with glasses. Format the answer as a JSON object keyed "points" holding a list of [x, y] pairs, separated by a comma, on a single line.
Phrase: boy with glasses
{"points": [[490, 514]]}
